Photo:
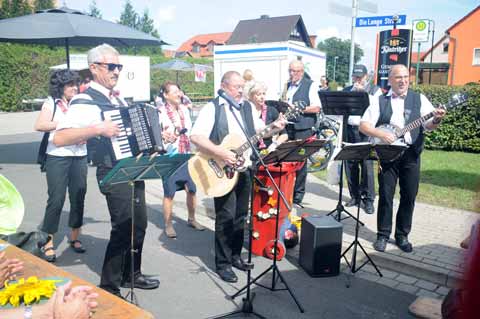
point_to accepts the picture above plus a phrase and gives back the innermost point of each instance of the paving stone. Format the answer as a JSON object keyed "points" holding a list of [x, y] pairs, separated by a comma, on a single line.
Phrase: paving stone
{"points": [[367, 276], [426, 285], [387, 282], [442, 291], [406, 279], [389, 274], [407, 288], [427, 293]]}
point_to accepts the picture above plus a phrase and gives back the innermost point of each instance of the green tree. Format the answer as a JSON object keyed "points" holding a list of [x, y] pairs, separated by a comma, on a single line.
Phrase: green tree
{"points": [[335, 47], [128, 16], [43, 4], [14, 8], [146, 24], [20, 8], [94, 11]]}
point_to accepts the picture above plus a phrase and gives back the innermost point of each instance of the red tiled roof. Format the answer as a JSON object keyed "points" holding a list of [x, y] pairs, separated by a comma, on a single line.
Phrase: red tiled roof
{"points": [[203, 40]]}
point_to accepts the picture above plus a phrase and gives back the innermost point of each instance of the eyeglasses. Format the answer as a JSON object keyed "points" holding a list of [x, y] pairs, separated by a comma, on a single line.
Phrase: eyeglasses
{"points": [[294, 71], [111, 66]]}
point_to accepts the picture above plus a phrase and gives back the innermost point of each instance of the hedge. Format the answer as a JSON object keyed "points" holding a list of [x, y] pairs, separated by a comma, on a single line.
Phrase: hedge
{"points": [[460, 130], [24, 71]]}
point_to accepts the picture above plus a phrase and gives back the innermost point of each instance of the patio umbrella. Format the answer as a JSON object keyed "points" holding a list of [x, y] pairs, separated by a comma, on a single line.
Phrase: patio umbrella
{"points": [[180, 65], [66, 27]]}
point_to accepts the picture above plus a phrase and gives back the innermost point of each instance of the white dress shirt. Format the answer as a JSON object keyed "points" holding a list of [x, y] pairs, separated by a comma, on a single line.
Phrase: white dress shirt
{"points": [[372, 114]]}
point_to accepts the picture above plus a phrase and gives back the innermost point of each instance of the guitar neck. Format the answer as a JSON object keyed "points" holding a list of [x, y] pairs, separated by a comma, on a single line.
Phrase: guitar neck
{"points": [[413, 125], [254, 139]]}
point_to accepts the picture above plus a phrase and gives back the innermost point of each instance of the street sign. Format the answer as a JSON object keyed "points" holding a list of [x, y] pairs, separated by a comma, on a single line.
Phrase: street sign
{"points": [[421, 30], [380, 21]]}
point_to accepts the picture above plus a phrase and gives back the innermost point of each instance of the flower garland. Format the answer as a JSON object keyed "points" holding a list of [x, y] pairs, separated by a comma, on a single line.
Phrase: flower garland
{"points": [[27, 291]]}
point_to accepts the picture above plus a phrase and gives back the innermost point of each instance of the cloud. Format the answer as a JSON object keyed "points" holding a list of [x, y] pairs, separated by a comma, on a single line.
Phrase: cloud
{"points": [[329, 32], [166, 14]]}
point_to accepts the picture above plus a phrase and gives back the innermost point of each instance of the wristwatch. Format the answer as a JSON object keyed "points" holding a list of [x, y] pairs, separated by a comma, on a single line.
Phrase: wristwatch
{"points": [[28, 314], [436, 121]]}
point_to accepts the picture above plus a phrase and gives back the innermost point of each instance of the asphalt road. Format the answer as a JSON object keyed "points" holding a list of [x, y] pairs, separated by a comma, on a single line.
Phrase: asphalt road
{"points": [[189, 287]]}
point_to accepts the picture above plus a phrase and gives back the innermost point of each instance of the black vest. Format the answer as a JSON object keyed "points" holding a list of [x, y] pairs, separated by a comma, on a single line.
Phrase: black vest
{"points": [[220, 127], [304, 121], [412, 106], [100, 147]]}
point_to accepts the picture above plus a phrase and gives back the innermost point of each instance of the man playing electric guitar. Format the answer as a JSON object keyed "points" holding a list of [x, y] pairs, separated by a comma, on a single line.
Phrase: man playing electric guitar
{"points": [[213, 124], [400, 106]]}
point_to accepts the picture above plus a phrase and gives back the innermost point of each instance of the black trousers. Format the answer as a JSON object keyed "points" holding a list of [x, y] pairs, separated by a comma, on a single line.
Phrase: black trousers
{"points": [[116, 265], [359, 173], [65, 172], [231, 210], [301, 174], [406, 170]]}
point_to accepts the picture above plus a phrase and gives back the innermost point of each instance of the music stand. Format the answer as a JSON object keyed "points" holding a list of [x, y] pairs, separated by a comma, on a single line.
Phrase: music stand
{"points": [[344, 104], [131, 170], [291, 151], [358, 152]]}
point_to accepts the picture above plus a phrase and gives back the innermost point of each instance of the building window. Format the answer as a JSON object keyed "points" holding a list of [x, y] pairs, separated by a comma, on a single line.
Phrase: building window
{"points": [[196, 48], [210, 46], [476, 56], [445, 47]]}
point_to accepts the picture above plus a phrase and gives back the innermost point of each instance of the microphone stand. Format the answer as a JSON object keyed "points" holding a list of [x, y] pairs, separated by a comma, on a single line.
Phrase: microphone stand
{"points": [[247, 307]]}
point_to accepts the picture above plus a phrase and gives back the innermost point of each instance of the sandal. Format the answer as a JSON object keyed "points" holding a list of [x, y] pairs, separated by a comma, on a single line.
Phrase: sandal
{"points": [[49, 258], [79, 250]]}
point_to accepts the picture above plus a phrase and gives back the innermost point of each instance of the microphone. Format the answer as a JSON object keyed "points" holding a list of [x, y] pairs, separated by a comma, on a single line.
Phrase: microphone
{"points": [[228, 98]]}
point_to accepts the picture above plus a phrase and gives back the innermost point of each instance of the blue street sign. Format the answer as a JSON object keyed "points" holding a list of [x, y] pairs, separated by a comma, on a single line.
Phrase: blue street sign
{"points": [[381, 21]]}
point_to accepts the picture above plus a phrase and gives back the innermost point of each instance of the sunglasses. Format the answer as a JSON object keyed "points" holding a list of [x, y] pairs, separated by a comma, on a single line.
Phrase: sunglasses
{"points": [[111, 66]]}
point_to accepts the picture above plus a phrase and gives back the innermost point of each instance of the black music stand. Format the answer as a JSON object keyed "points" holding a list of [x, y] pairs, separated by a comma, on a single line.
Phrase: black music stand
{"points": [[131, 170], [344, 104], [291, 151], [358, 152]]}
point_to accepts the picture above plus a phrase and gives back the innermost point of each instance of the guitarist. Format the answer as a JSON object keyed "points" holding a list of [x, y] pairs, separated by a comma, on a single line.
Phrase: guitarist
{"points": [[214, 122], [399, 106]]}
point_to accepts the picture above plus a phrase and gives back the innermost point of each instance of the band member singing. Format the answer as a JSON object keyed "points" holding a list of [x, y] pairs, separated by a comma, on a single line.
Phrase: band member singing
{"points": [[214, 122]]}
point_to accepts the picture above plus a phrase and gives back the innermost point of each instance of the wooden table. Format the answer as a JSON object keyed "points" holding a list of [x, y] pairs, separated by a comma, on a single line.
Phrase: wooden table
{"points": [[109, 306]]}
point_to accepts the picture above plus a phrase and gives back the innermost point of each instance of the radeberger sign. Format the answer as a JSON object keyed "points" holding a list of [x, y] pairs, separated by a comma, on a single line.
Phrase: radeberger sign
{"points": [[393, 47]]}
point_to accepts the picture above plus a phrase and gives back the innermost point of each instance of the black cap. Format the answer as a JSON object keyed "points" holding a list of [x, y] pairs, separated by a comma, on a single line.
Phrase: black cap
{"points": [[359, 70]]}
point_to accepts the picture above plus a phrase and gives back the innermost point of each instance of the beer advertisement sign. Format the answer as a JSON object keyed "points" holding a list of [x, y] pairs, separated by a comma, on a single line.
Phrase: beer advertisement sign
{"points": [[393, 47]]}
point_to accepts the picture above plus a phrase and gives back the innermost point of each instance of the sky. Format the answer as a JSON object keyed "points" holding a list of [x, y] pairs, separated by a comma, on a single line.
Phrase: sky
{"points": [[177, 21]]}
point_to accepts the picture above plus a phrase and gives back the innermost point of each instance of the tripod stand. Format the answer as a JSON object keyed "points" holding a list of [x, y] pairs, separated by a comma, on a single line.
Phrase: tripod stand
{"points": [[296, 152], [345, 104], [131, 170], [362, 151]]}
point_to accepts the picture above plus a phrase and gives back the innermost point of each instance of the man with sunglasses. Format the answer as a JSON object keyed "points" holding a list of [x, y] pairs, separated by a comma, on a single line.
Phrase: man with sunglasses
{"points": [[84, 123]]}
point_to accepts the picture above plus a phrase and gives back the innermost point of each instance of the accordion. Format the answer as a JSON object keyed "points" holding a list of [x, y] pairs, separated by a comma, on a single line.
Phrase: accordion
{"points": [[140, 130]]}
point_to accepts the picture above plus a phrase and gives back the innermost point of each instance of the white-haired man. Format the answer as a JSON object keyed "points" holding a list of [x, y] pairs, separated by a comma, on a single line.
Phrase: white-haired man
{"points": [[84, 123]]}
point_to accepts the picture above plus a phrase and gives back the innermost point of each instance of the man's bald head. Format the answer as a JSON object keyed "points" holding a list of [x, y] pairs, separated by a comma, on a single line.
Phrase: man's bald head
{"points": [[399, 79], [296, 70]]}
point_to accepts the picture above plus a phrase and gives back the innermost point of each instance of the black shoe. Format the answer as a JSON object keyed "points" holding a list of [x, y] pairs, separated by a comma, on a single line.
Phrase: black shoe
{"points": [[381, 244], [403, 243], [352, 202], [227, 275], [368, 207], [141, 282], [240, 264]]}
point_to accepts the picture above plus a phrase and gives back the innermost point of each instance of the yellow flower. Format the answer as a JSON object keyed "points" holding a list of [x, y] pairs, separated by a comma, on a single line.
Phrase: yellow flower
{"points": [[27, 291]]}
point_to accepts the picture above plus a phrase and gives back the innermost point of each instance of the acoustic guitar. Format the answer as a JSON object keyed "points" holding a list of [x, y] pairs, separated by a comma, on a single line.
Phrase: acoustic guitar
{"points": [[212, 176]]}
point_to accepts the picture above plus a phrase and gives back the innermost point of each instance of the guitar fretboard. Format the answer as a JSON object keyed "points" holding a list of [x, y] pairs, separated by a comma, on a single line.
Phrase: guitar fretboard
{"points": [[413, 125]]}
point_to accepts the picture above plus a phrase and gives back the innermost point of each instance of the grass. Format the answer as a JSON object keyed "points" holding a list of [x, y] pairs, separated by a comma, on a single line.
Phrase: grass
{"points": [[449, 179]]}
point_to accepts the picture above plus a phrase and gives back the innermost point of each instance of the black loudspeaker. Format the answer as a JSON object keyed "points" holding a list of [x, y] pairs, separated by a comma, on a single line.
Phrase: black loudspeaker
{"points": [[321, 246]]}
